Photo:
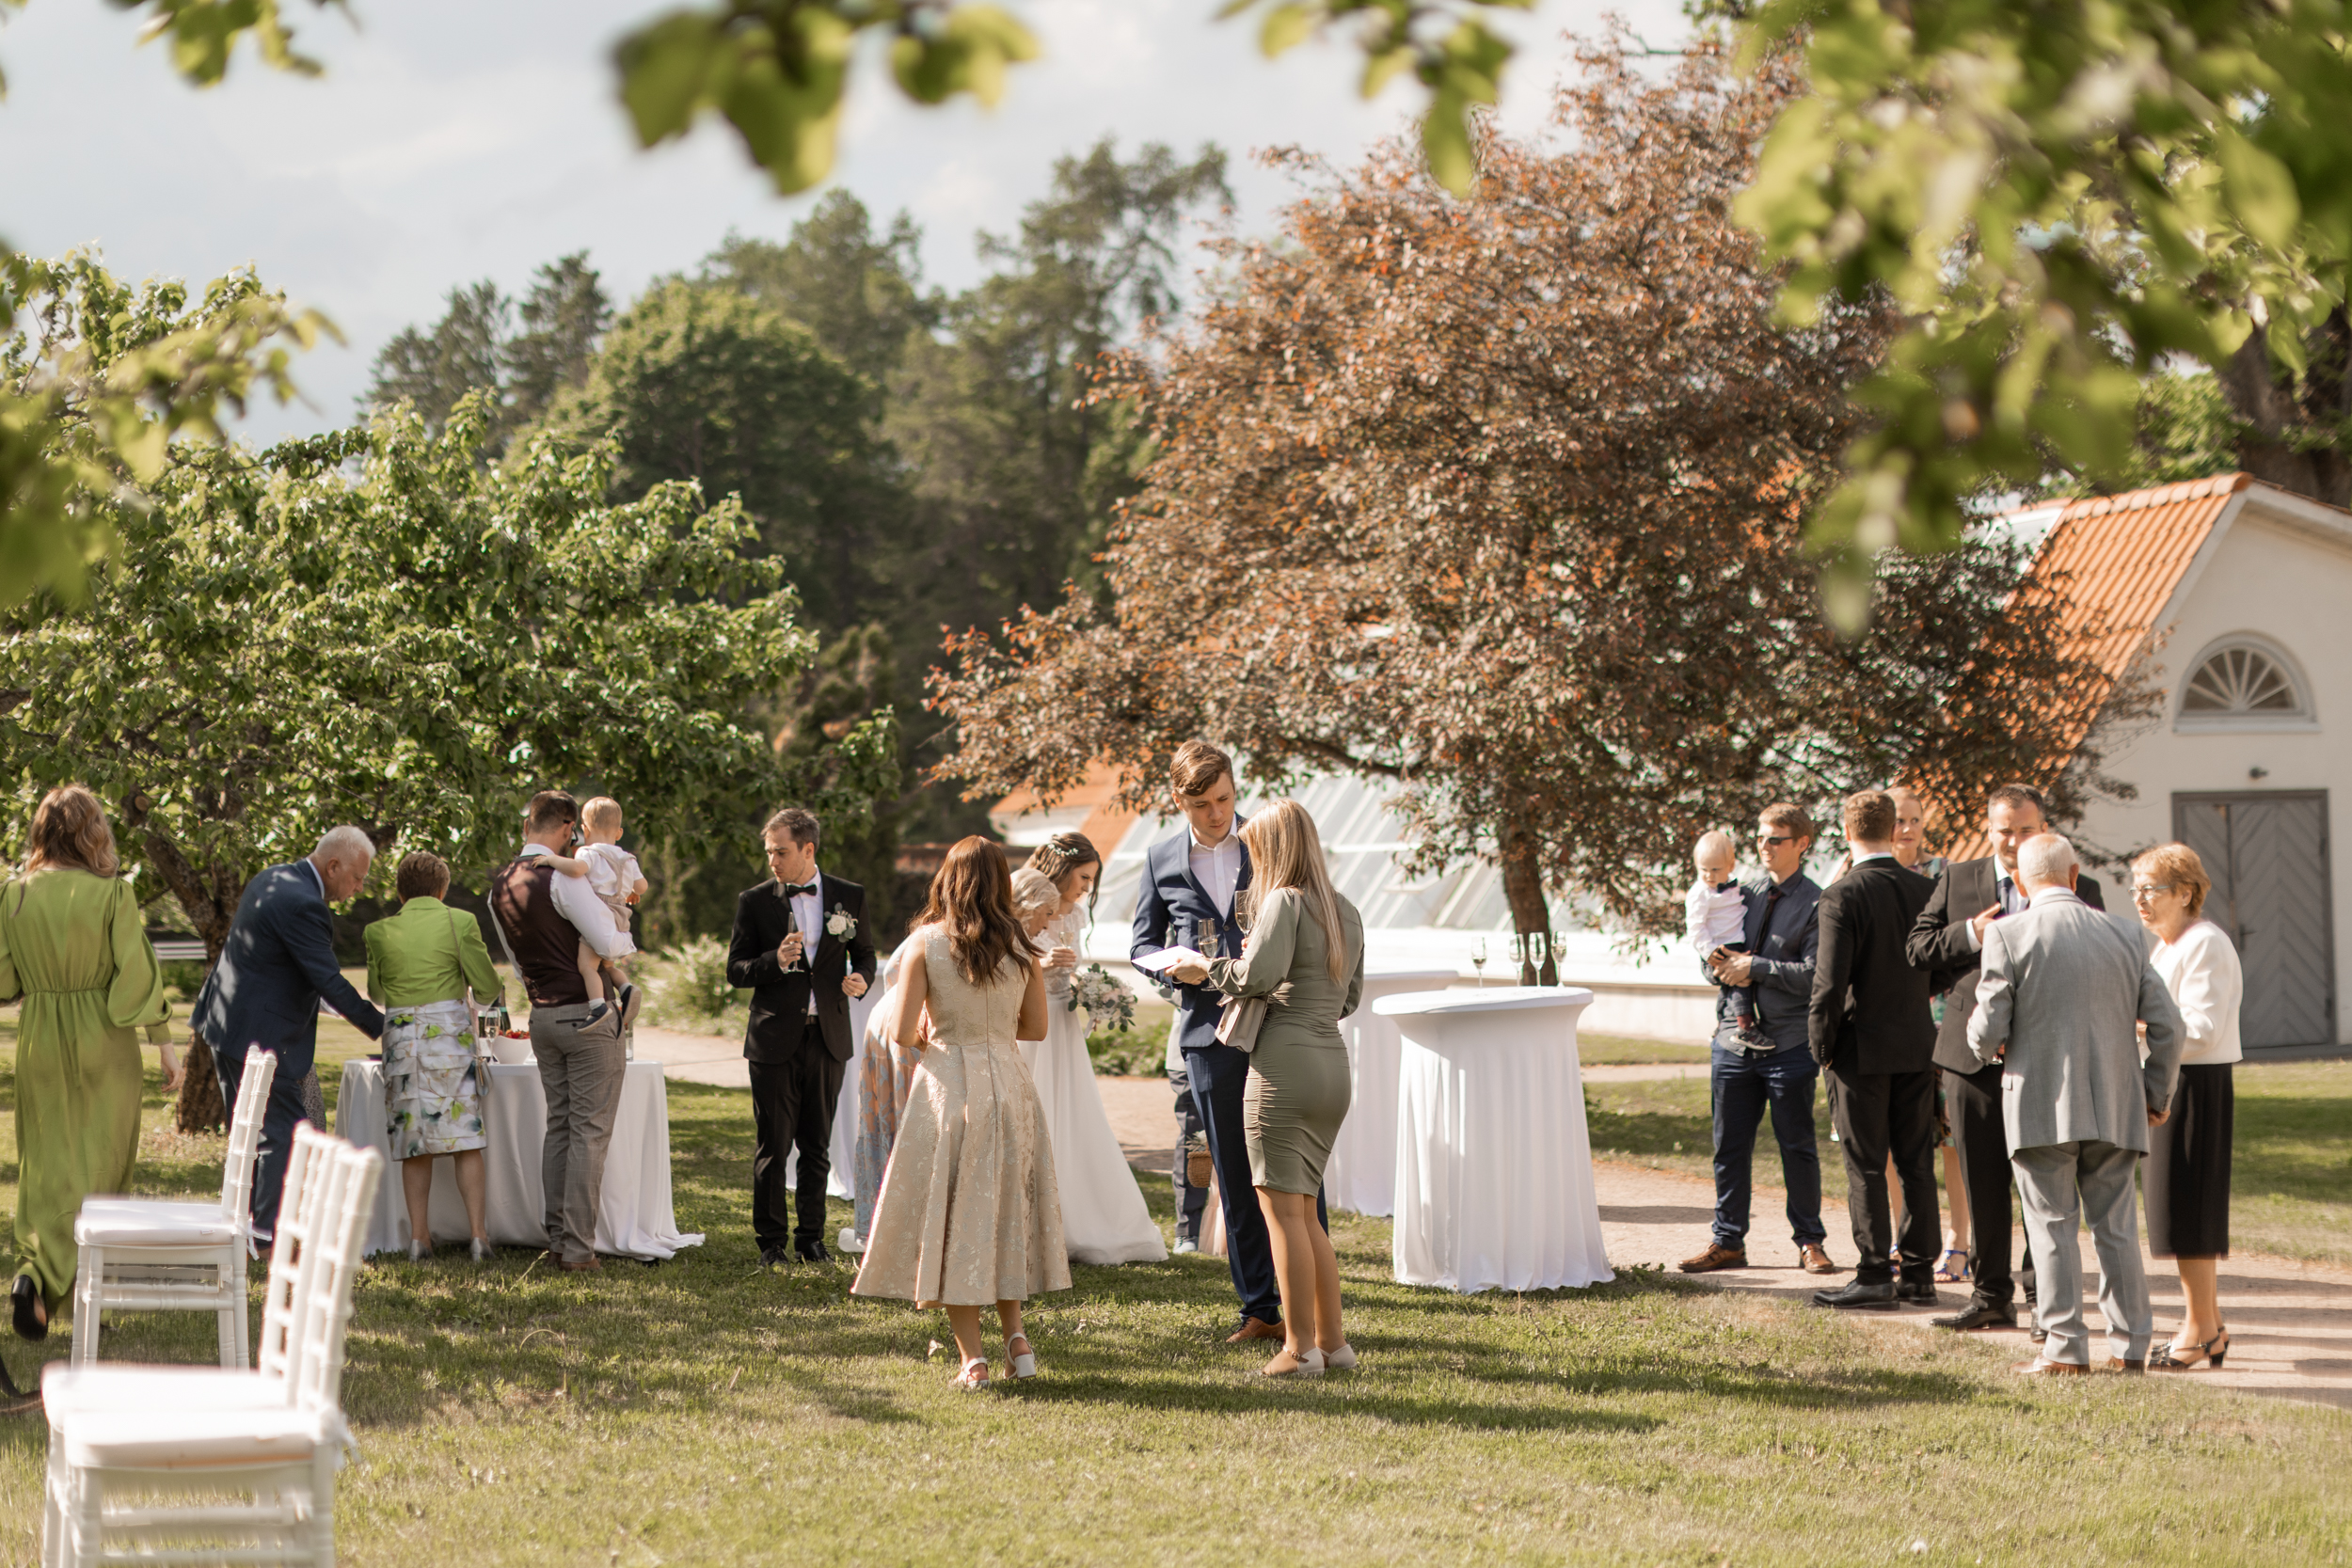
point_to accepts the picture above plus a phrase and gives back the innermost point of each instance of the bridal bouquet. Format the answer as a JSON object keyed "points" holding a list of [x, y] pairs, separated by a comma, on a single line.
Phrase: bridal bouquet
{"points": [[1108, 1004]]}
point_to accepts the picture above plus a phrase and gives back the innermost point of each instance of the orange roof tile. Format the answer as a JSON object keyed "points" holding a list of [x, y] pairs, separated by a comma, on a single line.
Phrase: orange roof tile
{"points": [[1106, 822], [2114, 561]]}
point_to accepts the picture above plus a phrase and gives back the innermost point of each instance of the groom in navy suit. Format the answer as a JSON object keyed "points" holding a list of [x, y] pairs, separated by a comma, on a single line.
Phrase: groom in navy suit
{"points": [[1190, 882], [264, 994]]}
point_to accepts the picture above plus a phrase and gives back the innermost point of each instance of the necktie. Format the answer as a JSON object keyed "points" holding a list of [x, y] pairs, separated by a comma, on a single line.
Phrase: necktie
{"points": [[2007, 893], [1764, 931], [795, 890]]}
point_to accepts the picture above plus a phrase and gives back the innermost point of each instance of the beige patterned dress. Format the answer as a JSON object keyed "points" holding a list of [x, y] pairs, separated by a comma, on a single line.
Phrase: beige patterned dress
{"points": [[969, 1214]]}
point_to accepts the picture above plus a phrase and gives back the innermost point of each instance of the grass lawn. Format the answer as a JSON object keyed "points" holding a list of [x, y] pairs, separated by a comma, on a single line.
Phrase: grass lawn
{"points": [[2290, 1184], [1616, 1049], [704, 1412]]}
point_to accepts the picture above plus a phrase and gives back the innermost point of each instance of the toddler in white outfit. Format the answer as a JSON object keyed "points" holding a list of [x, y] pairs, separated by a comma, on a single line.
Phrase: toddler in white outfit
{"points": [[613, 876], [1715, 916]]}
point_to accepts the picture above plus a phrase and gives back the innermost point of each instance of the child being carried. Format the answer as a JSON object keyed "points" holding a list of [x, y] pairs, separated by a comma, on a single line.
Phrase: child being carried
{"points": [[614, 878], [1715, 916]]}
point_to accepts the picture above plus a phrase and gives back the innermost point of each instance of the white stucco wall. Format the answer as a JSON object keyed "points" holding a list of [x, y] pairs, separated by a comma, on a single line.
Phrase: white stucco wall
{"points": [[2281, 575]]}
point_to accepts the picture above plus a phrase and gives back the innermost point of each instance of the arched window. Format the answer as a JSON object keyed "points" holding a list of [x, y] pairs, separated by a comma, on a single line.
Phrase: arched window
{"points": [[2245, 682]]}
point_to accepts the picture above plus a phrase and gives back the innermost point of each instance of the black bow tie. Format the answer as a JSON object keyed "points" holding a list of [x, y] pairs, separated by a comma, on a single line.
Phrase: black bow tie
{"points": [[793, 890]]}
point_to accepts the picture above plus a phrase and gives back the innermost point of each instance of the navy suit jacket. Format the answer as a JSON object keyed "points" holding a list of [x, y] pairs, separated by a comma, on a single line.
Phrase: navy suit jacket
{"points": [[1782, 972], [1172, 900], [278, 961]]}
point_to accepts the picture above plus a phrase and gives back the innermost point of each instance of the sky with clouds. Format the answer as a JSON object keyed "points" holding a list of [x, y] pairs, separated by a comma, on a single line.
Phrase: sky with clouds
{"points": [[451, 140]]}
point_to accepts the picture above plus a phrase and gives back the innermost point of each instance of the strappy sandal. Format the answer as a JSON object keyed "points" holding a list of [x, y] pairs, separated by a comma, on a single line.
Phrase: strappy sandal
{"points": [[1023, 1363], [2180, 1358], [973, 1377], [1947, 1273]]}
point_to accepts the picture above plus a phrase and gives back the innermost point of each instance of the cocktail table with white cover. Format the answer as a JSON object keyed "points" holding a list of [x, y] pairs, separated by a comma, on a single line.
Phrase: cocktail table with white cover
{"points": [[634, 1217], [1494, 1168], [1361, 1172]]}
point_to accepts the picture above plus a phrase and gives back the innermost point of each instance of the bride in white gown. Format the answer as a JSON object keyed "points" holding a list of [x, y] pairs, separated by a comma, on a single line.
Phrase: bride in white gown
{"points": [[1102, 1213]]}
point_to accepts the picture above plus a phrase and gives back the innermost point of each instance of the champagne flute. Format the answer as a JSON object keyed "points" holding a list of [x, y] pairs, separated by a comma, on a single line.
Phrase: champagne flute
{"points": [[1204, 938], [1546, 974], [1478, 960]]}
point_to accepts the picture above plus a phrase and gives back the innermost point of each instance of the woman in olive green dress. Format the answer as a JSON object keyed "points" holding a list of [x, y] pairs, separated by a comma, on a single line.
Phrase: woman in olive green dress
{"points": [[1306, 955], [71, 945], [422, 963]]}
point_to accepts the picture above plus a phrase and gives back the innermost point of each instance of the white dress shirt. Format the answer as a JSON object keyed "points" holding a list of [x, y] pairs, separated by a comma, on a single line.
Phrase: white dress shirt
{"points": [[1218, 870], [808, 916], [577, 902], [2005, 894]]}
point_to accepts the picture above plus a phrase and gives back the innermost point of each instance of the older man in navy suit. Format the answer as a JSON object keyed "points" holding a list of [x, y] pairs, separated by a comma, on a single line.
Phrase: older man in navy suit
{"points": [[1190, 882], [265, 993]]}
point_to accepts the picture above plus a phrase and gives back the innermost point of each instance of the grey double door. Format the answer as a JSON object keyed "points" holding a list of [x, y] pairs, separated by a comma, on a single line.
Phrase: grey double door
{"points": [[2267, 855]]}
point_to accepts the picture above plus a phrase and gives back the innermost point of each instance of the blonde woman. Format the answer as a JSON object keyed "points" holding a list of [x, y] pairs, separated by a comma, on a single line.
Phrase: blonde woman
{"points": [[73, 946], [2186, 1180], [1305, 956]]}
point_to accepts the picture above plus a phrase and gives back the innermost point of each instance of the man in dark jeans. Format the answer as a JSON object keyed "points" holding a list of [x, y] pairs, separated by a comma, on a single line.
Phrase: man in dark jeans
{"points": [[1782, 935]]}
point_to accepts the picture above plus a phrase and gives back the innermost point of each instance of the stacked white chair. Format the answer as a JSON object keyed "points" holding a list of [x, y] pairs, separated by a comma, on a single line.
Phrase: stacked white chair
{"points": [[177, 1255], [259, 1448]]}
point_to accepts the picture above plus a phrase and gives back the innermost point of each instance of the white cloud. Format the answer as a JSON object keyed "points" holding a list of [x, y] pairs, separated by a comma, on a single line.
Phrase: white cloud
{"points": [[453, 140]]}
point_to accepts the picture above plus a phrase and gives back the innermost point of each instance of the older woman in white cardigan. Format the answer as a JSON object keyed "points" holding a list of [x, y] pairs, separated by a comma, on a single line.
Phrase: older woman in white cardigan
{"points": [[2187, 1179]]}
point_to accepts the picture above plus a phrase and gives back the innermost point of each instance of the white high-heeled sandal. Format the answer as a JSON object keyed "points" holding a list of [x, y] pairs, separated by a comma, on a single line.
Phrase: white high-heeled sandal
{"points": [[1342, 1359], [1310, 1365], [966, 1380], [420, 1251], [1025, 1363]]}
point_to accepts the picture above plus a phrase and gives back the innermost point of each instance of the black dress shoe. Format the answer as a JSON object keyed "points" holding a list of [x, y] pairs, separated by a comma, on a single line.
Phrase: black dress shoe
{"points": [[771, 1256], [1978, 1315], [1916, 1292], [812, 1252], [25, 1297], [1878, 1295]]}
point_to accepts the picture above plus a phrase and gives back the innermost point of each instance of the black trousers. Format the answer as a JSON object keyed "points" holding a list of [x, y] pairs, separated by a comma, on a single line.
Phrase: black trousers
{"points": [[1879, 1114], [1973, 1099], [792, 1105]]}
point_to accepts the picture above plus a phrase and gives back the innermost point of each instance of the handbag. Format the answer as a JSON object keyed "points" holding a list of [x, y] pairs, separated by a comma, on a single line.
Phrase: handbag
{"points": [[1238, 1025]]}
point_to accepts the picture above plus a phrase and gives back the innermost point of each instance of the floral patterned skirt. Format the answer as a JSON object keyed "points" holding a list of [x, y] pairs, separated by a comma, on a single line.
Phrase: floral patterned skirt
{"points": [[431, 1079]]}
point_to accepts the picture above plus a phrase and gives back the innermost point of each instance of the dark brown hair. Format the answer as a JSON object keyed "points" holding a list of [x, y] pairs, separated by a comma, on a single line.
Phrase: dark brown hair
{"points": [[1788, 819], [551, 808], [1870, 816], [801, 824], [1196, 765], [70, 829], [2016, 795], [1064, 853], [421, 875], [972, 896]]}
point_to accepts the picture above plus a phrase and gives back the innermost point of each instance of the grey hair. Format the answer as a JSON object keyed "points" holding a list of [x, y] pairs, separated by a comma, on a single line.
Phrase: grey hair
{"points": [[2045, 860], [341, 843], [1033, 890]]}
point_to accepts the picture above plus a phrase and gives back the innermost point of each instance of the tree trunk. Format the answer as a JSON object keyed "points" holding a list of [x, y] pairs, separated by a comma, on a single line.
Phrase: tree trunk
{"points": [[208, 895], [2289, 435], [1524, 886]]}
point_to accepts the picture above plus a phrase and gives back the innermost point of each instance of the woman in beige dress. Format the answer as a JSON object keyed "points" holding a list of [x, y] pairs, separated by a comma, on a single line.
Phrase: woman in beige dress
{"points": [[1306, 957], [969, 1214]]}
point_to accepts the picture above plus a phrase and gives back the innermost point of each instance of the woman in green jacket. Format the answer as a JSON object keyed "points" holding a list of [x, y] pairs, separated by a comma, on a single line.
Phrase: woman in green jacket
{"points": [[73, 945], [422, 963]]}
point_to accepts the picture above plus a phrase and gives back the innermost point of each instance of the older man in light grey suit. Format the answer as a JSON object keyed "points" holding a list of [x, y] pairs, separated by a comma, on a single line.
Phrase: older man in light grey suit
{"points": [[2063, 988]]}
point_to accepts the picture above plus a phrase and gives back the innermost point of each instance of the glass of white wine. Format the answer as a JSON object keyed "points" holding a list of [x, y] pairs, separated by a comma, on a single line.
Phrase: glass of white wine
{"points": [[1478, 960], [1204, 938]]}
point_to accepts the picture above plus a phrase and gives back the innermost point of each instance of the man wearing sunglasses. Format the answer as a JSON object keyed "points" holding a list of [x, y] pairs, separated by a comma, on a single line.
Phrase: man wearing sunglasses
{"points": [[1782, 934]]}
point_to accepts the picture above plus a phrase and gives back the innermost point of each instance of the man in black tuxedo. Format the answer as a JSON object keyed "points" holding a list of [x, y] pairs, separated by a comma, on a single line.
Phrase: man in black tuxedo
{"points": [[1950, 936], [802, 948], [1872, 1031]]}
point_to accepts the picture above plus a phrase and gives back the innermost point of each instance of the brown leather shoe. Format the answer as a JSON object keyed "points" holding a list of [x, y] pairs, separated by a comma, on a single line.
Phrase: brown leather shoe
{"points": [[1717, 1255], [1253, 1329], [589, 1264], [1811, 1259], [2042, 1366], [2117, 1364]]}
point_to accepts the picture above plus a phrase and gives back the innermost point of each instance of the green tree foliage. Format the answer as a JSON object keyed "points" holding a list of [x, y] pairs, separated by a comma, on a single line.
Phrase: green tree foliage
{"points": [[859, 292], [707, 384], [2062, 197], [477, 348], [2184, 429]]}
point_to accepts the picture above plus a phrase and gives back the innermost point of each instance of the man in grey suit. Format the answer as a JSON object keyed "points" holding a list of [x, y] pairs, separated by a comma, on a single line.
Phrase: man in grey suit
{"points": [[2062, 989]]}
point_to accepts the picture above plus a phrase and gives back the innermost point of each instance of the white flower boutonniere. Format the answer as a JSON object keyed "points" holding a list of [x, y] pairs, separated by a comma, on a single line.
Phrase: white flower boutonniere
{"points": [[840, 925]]}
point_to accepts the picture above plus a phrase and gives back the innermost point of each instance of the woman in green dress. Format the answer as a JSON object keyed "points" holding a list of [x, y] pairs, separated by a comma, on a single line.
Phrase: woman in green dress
{"points": [[1306, 957], [421, 962], [71, 945]]}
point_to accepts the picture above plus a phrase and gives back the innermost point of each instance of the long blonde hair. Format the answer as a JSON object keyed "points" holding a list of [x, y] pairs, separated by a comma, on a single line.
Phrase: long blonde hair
{"points": [[1285, 851]]}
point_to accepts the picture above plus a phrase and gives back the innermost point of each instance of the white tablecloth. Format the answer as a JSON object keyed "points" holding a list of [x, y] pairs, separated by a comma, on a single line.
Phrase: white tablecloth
{"points": [[1494, 1169], [1361, 1173], [846, 1110], [634, 1217]]}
